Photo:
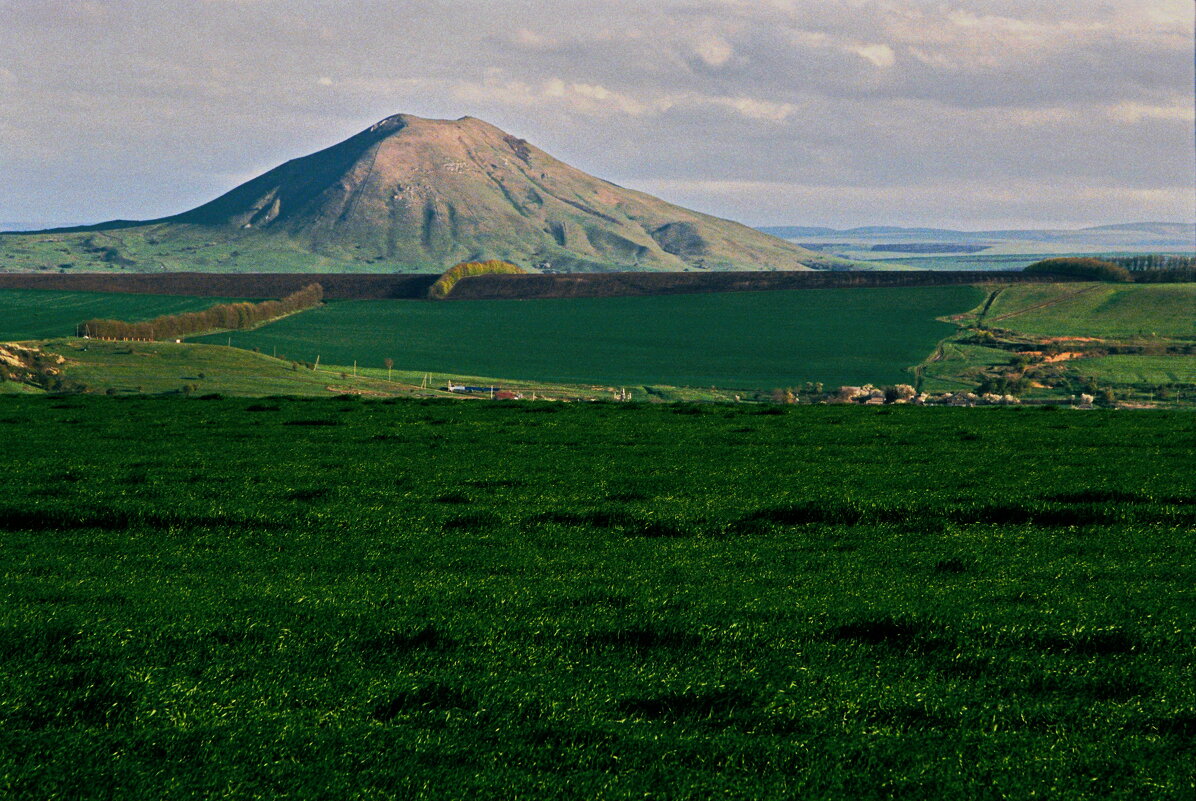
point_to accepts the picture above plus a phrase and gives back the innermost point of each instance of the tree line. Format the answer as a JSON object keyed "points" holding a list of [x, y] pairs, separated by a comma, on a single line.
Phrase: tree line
{"points": [[1155, 261], [1158, 269], [1143, 269], [224, 316], [445, 283]]}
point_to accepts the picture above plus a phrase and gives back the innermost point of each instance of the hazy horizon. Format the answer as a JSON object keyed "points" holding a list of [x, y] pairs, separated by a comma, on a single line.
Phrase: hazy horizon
{"points": [[994, 114], [38, 225]]}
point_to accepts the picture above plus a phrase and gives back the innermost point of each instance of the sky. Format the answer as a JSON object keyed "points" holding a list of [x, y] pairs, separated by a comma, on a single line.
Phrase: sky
{"points": [[973, 115]]}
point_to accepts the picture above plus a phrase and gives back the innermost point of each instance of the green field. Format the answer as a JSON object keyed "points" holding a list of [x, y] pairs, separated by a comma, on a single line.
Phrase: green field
{"points": [[40, 314], [738, 339], [161, 367], [1134, 369], [1097, 310], [352, 599], [155, 368]]}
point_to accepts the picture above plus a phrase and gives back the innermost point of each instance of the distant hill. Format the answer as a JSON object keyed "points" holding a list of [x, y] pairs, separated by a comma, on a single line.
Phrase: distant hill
{"points": [[1161, 236], [414, 194], [30, 226]]}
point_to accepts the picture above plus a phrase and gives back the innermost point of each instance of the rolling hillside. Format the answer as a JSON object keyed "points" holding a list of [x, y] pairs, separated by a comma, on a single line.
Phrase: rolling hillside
{"points": [[1097, 310]]}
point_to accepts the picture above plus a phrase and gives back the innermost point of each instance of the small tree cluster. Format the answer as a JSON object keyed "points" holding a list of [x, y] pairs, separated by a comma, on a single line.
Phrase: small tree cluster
{"points": [[1081, 267], [445, 283], [227, 316]]}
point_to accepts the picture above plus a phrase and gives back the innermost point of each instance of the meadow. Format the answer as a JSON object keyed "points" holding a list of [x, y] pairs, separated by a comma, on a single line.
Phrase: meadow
{"points": [[1097, 310], [39, 313], [1133, 369], [748, 340], [358, 599]]}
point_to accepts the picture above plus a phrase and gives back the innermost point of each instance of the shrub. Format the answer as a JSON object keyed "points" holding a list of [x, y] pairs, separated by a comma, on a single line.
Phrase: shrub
{"points": [[445, 283], [1081, 267]]}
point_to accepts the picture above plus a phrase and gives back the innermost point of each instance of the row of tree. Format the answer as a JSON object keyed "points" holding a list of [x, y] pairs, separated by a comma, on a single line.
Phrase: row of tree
{"points": [[1158, 269], [225, 316], [1155, 261], [445, 283], [1143, 269]]}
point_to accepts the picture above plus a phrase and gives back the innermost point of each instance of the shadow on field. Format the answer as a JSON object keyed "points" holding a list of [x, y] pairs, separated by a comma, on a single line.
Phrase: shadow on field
{"points": [[88, 696], [1094, 643], [904, 635], [723, 707], [611, 519], [392, 643], [107, 519], [1062, 511], [642, 639], [432, 697]]}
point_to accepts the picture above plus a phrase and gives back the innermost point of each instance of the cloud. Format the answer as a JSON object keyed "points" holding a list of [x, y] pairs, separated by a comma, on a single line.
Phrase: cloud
{"points": [[880, 55], [531, 40], [755, 109], [836, 96], [714, 51], [585, 98], [1134, 113]]}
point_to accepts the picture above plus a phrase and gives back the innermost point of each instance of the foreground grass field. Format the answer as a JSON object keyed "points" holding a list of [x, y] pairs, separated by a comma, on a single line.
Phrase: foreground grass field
{"points": [[355, 599], [747, 340]]}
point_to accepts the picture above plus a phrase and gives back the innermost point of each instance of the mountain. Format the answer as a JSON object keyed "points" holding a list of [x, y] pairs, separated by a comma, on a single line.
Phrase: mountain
{"points": [[419, 194]]}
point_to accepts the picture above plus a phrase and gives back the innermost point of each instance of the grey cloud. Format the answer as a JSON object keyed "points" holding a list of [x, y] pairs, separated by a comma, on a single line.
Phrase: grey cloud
{"points": [[139, 108]]}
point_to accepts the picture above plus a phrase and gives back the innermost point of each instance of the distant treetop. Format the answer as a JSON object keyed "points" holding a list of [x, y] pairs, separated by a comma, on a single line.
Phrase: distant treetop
{"points": [[1081, 267]]}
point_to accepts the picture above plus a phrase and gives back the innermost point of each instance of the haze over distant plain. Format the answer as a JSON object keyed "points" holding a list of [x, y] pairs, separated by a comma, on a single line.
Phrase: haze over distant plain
{"points": [[986, 114]]}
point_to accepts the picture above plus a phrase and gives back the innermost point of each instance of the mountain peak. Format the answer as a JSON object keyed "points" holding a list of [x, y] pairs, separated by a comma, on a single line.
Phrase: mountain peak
{"points": [[427, 193]]}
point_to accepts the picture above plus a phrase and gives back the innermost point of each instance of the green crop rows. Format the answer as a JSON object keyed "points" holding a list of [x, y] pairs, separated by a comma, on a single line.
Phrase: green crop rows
{"points": [[750, 340], [370, 599], [38, 313]]}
